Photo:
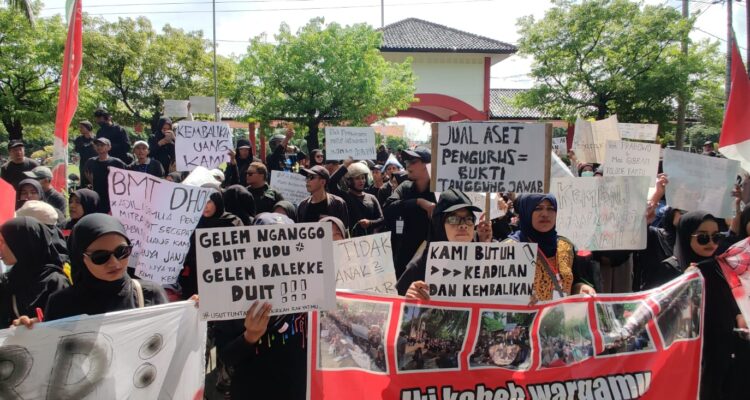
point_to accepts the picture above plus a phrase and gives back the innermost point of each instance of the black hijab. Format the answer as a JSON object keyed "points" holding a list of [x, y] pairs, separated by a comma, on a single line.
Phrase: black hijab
{"points": [[668, 226], [689, 223], [37, 259], [89, 200], [176, 177], [239, 201], [220, 218], [33, 182], [289, 209]]}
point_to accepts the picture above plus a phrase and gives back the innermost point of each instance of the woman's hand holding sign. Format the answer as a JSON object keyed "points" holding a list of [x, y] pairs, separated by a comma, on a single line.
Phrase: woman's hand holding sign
{"points": [[256, 322]]}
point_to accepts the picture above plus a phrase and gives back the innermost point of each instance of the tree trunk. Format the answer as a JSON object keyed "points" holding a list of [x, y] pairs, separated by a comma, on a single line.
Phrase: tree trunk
{"points": [[312, 134], [14, 129]]}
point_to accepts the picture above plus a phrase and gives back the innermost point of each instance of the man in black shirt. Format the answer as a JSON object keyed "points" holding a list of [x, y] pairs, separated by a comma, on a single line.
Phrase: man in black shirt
{"points": [[51, 196], [84, 146], [365, 215], [97, 170], [320, 203], [117, 136], [13, 170], [143, 163], [265, 197], [276, 161]]}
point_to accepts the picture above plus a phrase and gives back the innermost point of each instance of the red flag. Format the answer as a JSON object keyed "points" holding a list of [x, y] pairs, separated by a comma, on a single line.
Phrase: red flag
{"points": [[734, 142], [67, 102], [7, 201]]}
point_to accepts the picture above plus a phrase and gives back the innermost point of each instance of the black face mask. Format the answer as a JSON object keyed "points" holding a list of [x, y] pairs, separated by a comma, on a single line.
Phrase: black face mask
{"points": [[103, 124]]}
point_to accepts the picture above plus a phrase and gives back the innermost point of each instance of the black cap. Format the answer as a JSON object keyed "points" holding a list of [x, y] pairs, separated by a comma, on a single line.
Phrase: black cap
{"points": [[708, 143], [419, 153], [268, 218], [452, 200], [318, 170], [101, 112], [15, 143], [87, 124], [103, 140]]}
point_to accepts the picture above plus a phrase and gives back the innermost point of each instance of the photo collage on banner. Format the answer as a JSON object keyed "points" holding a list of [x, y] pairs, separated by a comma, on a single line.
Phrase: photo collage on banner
{"points": [[626, 345]]}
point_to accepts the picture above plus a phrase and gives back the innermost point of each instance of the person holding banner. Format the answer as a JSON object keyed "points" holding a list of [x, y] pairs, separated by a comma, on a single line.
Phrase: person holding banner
{"points": [[143, 163], [37, 268], [320, 203], [453, 220], [265, 197], [239, 201], [82, 202], [97, 171], [559, 271], [724, 353], [161, 143]]}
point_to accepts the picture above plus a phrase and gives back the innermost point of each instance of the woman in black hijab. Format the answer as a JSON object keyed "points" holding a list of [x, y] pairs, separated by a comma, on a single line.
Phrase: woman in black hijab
{"points": [[286, 208], [82, 202], [236, 169], [724, 352], [37, 268], [161, 143], [214, 216], [656, 264], [29, 189], [316, 157], [238, 201], [99, 254]]}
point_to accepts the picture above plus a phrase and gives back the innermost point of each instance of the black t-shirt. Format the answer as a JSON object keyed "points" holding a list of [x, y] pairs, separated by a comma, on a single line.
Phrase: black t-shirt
{"points": [[315, 211], [14, 173], [56, 200], [85, 148], [100, 170]]}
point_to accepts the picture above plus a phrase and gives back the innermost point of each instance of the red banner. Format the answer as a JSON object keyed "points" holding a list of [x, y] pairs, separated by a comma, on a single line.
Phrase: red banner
{"points": [[643, 345]]}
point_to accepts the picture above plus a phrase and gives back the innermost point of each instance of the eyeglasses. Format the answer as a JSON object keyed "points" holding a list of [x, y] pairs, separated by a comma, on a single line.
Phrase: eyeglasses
{"points": [[318, 156], [456, 220], [250, 173], [704, 238], [100, 257]]}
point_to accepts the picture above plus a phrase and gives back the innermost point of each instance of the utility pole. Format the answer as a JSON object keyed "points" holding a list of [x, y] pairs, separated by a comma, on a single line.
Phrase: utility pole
{"points": [[382, 15], [216, 82], [730, 39], [679, 136]]}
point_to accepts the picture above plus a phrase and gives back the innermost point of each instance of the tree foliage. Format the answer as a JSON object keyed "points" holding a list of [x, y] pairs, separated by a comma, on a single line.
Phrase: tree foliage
{"points": [[322, 73]]}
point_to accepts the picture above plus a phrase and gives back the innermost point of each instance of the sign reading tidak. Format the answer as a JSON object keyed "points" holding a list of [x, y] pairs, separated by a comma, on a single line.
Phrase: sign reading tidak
{"points": [[607, 213], [356, 142], [159, 216], [289, 266], [491, 157], [365, 263], [487, 272], [199, 143]]}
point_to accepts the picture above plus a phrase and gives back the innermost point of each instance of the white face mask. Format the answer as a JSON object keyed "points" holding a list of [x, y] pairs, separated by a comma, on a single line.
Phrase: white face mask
{"points": [[587, 174]]}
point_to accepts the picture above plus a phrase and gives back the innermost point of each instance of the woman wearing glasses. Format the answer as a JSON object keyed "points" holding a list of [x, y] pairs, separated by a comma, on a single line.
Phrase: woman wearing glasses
{"points": [[453, 220]]}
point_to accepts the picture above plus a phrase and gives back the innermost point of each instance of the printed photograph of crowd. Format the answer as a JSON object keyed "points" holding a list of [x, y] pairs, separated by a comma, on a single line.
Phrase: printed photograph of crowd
{"points": [[430, 338], [503, 340], [353, 336], [622, 329], [564, 335], [680, 318]]}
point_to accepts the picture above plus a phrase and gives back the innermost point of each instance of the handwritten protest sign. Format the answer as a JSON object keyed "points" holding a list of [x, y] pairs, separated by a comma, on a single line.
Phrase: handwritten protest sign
{"points": [[558, 169], [606, 213], [159, 216], [632, 159], [176, 108], [365, 263], [487, 272], [147, 353], [290, 185], [289, 266], [491, 157], [356, 142], [202, 105], [199, 143], [479, 200], [560, 145], [590, 139], [645, 132], [698, 182]]}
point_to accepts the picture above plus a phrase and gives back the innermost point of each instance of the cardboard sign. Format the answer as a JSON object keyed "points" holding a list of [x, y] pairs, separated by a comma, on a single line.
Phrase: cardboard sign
{"points": [[560, 146], [698, 182], [590, 139], [365, 263], [558, 169], [148, 353], [645, 132], [594, 347], [159, 216], [289, 266], [202, 105], [176, 108], [291, 185], [199, 143], [356, 142], [607, 213], [491, 157], [632, 159], [487, 272]]}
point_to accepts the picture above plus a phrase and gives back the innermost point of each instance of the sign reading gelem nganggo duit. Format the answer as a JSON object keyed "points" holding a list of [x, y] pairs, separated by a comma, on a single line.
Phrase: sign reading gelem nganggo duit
{"points": [[491, 157]]}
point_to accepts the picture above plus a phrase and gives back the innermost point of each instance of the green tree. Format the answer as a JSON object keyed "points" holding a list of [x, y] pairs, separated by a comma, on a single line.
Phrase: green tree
{"points": [[30, 62], [27, 7], [323, 73], [602, 57], [396, 143]]}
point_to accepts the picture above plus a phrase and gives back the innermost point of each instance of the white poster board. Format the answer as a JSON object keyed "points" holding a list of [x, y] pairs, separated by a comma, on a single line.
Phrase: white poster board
{"points": [[632, 159], [486, 272], [365, 263], [490, 157], [202, 105], [343, 142], [289, 266], [644, 132], [200, 143], [607, 213], [149, 353], [590, 139], [478, 200], [560, 146], [159, 216], [291, 185], [698, 182], [176, 108], [558, 169]]}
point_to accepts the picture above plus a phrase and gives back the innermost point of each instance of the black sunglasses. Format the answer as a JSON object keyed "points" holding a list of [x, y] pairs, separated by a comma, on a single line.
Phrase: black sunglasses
{"points": [[704, 238], [100, 257]]}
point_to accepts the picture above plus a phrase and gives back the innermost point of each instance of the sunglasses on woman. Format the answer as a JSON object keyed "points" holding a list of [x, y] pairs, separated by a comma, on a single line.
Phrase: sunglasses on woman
{"points": [[456, 220], [704, 238], [100, 257]]}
